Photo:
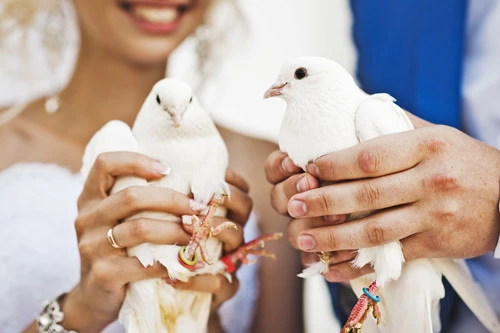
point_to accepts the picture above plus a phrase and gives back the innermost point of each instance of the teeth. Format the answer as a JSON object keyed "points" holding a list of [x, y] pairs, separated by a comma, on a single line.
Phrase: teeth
{"points": [[156, 15]]}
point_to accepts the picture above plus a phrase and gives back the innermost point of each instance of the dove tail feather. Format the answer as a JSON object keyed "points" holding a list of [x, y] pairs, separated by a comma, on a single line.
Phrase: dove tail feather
{"points": [[313, 270], [460, 278], [385, 259]]}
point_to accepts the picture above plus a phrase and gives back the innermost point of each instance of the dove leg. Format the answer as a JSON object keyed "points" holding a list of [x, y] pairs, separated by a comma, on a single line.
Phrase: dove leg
{"points": [[254, 247], [202, 231], [369, 300]]}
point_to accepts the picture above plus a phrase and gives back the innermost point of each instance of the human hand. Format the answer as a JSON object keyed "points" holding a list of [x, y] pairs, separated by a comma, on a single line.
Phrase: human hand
{"points": [[105, 271], [436, 188]]}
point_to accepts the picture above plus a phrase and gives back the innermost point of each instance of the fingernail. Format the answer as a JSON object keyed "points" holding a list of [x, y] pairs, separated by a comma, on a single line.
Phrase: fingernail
{"points": [[161, 168], [288, 165], [297, 208], [306, 242], [313, 170], [303, 185]]}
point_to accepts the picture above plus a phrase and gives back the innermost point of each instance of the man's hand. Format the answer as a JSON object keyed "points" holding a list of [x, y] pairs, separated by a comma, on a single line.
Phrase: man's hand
{"points": [[436, 188]]}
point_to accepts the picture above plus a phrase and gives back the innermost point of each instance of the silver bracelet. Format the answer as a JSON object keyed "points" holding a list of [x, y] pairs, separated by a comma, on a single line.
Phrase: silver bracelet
{"points": [[48, 320]]}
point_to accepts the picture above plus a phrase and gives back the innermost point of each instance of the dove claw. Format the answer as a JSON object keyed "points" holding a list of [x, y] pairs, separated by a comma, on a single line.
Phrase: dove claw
{"points": [[202, 231], [369, 300], [254, 247]]}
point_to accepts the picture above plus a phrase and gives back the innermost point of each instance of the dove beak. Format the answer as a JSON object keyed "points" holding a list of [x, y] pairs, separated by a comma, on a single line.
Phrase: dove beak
{"points": [[275, 90], [176, 118]]}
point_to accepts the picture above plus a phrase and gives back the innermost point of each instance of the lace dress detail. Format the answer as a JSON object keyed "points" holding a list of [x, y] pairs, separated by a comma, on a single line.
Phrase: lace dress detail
{"points": [[38, 248]]}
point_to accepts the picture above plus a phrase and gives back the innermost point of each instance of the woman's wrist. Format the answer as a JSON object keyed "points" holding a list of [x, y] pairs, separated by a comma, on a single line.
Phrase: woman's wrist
{"points": [[77, 315]]}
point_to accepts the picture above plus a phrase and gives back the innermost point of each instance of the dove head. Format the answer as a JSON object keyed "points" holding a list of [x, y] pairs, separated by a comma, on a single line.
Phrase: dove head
{"points": [[172, 98], [302, 77]]}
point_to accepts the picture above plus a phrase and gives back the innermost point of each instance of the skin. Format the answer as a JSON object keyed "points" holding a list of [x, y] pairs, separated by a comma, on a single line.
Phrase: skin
{"points": [[116, 67], [437, 190]]}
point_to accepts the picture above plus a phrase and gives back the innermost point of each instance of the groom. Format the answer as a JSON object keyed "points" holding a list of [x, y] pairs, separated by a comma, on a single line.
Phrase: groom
{"points": [[437, 59]]}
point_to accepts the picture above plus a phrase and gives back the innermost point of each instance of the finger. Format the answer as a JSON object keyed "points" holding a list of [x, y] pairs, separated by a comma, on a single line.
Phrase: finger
{"points": [[239, 205], [235, 179], [143, 230], [129, 269], [282, 192], [296, 227], [279, 167], [226, 293], [309, 258], [135, 199], [359, 196], [232, 238], [107, 166], [380, 228], [344, 272], [381, 156], [206, 283]]}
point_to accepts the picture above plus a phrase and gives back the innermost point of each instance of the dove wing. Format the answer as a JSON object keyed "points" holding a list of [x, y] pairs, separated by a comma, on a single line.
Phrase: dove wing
{"points": [[114, 136], [460, 278], [378, 115]]}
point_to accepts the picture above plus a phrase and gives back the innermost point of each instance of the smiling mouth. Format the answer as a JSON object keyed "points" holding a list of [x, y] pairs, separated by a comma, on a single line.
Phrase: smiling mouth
{"points": [[154, 13]]}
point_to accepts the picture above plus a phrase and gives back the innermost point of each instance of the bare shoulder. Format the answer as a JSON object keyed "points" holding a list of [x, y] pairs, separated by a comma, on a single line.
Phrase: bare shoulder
{"points": [[21, 140], [12, 144]]}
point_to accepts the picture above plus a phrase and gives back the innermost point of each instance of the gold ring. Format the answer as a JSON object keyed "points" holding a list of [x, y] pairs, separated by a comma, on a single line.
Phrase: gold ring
{"points": [[112, 241]]}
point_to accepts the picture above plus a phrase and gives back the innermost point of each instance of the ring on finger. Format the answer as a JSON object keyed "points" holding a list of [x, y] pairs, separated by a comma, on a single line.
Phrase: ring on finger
{"points": [[112, 240]]}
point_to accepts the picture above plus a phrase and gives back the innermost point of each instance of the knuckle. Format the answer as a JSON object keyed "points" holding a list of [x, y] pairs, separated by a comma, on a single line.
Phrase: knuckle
{"points": [[435, 245], [369, 160], [130, 196], [443, 180], [101, 273], [434, 144], [81, 223], [448, 210], [324, 203], [368, 194], [277, 201], [140, 229], [102, 161], [85, 248], [332, 240], [375, 233]]}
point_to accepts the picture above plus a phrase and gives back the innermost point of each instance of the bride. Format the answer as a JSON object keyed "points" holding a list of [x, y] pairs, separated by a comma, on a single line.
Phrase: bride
{"points": [[123, 50]]}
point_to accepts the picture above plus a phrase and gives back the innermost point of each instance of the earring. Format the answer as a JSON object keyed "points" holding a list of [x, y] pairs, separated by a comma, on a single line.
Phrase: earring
{"points": [[54, 39]]}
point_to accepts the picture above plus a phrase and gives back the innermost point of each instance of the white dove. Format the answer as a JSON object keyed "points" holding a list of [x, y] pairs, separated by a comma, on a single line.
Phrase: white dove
{"points": [[173, 128], [327, 112]]}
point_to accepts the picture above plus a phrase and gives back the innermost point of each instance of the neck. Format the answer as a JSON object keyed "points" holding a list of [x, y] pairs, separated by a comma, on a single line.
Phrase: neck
{"points": [[103, 87]]}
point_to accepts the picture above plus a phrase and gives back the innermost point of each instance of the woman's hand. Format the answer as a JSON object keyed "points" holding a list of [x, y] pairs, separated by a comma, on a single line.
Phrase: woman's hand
{"points": [[105, 271], [436, 188]]}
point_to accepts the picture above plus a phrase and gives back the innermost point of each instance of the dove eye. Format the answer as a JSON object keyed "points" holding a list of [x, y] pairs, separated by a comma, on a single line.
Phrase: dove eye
{"points": [[300, 73], [191, 99], [158, 99]]}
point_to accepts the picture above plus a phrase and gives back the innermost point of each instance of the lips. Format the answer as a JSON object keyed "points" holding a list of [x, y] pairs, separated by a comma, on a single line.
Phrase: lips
{"points": [[156, 16]]}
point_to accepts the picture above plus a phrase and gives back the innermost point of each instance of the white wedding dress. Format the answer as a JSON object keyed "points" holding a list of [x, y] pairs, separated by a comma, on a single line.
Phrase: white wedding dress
{"points": [[38, 248]]}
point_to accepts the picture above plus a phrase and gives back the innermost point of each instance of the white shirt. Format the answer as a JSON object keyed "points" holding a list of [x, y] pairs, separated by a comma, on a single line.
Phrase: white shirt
{"points": [[481, 81]]}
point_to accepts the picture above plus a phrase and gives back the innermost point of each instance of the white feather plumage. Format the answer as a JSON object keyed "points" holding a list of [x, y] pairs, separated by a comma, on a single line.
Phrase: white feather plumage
{"points": [[327, 112], [198, 159]]}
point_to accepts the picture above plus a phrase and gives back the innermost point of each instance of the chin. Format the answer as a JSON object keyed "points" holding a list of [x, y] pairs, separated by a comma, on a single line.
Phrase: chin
{"points": [[144, 32]]}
